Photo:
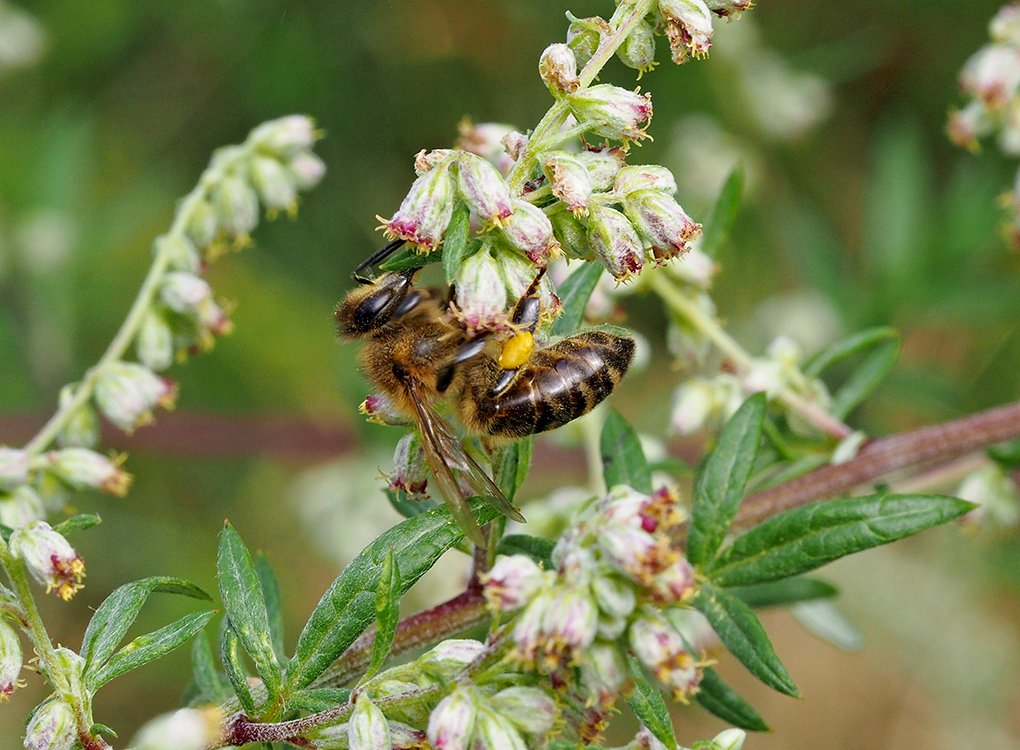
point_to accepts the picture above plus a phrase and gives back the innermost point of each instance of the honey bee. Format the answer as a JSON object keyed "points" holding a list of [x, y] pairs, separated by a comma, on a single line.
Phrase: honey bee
{"points": [[416, 354]]}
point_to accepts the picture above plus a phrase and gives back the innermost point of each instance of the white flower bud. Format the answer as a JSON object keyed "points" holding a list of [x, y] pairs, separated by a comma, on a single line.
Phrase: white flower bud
{"points": [[426, 210], [52, 727], [155, 342], [14, 467], [530, 231], [569, 179], [22, 506], [727, 8], [615, 597], [494, 732], [603, 166], [81, 467], [661, 649], [512, 582], [688, 28], [612, 236], [481, 296], [449, 657], [661, 222], [286, 135], [307, 169], [379, 408], [185, 729], [483, 188], [530, 709], [126, 393], [635, 177], [558, 68], [729, 739], [612, 112], [992, 74], [368, 728], [570, 623], [184, 292], [49, 558], [201, 226], [82, 427], [996, 494], [275, 183], [603, 668], [237, 207], [10, 659], [452, 722]]}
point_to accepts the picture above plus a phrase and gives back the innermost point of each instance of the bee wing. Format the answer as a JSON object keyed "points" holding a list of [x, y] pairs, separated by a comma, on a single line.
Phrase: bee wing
{"points": [[445, 454]]}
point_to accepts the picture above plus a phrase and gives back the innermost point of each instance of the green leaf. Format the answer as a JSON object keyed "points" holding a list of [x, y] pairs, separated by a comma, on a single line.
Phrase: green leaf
{"points": [[407, 259], [1006, 454], [455, 242], [148, 647], [118, 611], [623, 460], [786, 591], [650, 707], [724, 213], [96, 728], [574, 294], [210, 682], [721, 482], [805, 538], [387, 613], [878, 349], [233, 666], [716, 696], [538, 549], [316, 700], [348, 607], [76, 523], [271, 592], [742, 633], [246, 607], [405, 506], [513, 466]]}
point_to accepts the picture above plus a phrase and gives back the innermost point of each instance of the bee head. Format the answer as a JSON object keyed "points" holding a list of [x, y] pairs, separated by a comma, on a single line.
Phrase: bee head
{"points": [[372, 306]]}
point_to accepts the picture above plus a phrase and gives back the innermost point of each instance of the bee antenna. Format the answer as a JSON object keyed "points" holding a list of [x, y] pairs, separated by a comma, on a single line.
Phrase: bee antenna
{"points": [[374, 259]]}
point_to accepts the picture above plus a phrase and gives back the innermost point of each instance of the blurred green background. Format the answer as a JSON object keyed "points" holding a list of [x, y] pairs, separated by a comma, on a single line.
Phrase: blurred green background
{"points": [[866, 215]]}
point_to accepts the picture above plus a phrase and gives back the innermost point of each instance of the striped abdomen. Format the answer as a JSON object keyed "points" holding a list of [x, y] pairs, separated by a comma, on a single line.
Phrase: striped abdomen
{"points": [[559, 384]]}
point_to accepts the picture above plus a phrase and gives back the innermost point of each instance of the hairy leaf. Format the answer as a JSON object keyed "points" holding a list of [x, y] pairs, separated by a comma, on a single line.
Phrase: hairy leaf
{"points": [[742, 633], [233, 666], [212, 686], [316, 700], [786, 591], [455, 242], [513, 466], [271, 592], [623, 460], [76, 523], [878, 349], [805, 538], [716, 696], [721, 482], [538, 549], [387, 612], [406, 507], [650, 707], [574, 294]]}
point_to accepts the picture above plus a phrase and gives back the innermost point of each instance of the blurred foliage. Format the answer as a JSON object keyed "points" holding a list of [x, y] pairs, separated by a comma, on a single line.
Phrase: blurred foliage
{"points": [[873, 212]]}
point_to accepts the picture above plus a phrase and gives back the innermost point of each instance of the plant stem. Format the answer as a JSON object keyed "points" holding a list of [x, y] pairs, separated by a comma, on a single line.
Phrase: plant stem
{"points": [[709, 326]]}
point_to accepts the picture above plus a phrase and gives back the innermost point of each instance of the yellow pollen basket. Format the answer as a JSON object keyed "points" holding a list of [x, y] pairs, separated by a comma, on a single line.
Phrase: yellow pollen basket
{"points": [[517, 350]]}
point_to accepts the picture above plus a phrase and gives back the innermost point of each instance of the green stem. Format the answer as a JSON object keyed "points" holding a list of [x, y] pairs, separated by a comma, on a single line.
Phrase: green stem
{"points": [[680, 304]]}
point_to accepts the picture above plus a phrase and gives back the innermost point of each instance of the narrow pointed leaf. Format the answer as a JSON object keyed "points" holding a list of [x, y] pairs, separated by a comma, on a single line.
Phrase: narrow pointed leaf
{"points": [[574, 294], [233, 666], [316, 700], [76, 523], [514, 464], [805, 538], [149, 647], [118, 611], [724, 213], [455, 242], [348, 606], [210, 682], [387, 612], [405, 506], [650, 707], [786, 591], [742, 633], [406, 259], [721, 482], [716, 696], [246, 606], [878, 349], [824, 620], [271, 592], [623, 460], [538, 549]]}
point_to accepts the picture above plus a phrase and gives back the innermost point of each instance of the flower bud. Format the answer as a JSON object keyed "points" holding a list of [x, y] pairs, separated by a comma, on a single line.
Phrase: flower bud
{"points": [[569, 180], [13, 468], [584, 36], [67, 671], [184, 292], [529, 709], [410, 469], [727, 8], [660, 648], [22, 506], [181, 253], [452, 722], [603, 166], [185, 729], [571, 235], [530, 231], [52, 727], [285, 135], [661, 222], [126, 393], [49, 558], [480, 293], [404, 737], [729, 739], [155, 342], [486, 139], [368, 728], [705, 402], [201, 227], [82, 427], [307, 169], [611, 235], [569, 624], [1005, 25], [518, 273], [615, 597], [612, 112], [81, 468], [688, 28], [995, 493], [512, 582], [10, 660], [603, 669], [449, 657], [275, 183], [426, 210], [638, 49], [992, 74], [674, 585], [379, 408], [483, 188], [426, 160], [558, 68], [696, 269], [640, 177], [237, 207], [515, 144], [494, 732]]}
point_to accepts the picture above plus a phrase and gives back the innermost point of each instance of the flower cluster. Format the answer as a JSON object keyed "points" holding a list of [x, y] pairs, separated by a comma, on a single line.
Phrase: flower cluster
{"points": [[617, 576], [991, 82]]}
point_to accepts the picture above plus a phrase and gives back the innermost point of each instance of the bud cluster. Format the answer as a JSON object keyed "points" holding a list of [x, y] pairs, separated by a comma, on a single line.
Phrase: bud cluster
{"points": [[990, 80], [616, 577]]}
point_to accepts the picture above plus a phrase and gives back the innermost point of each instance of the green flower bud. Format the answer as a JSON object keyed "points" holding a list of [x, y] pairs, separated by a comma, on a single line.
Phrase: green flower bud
{"points": [[635, 177], [530, 231], [726, 8], [483, 188], [48, 558], [426, 210], [571, 235], [201, 227], [569, 178], [22, 506], [285, 135], [82, 428], [729, 739], [410, 469], [155, 342], [612, 237], [237, 207], [603, 166], [14, 467], [558, 68], [52, 727], [612, 112], [368, 728], [446, 660], [275, 183], [584, 36], [495, 732], [529, 709], [638, 49], [10, 660]]}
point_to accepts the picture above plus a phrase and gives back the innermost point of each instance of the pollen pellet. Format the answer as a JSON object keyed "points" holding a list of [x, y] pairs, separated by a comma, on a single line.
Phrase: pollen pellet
{"points": [[516, 351]]}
